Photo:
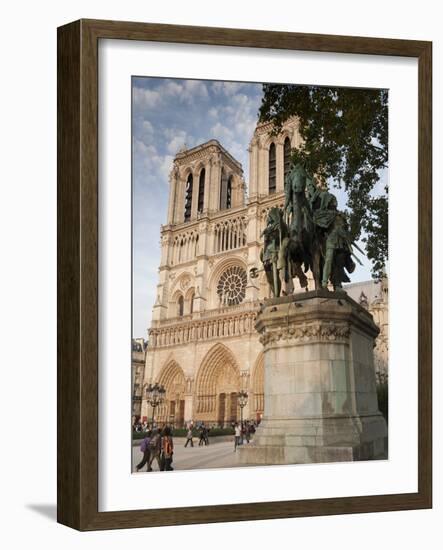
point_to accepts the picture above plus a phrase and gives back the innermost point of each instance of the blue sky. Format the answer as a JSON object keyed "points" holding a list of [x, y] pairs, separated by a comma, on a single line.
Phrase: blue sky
{"points": [[167, 114]]}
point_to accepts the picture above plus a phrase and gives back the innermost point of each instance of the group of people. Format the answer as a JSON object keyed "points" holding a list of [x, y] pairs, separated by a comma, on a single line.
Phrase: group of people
{"points": [[203, 432], [157, 445], [243, 432], [138, 426]]}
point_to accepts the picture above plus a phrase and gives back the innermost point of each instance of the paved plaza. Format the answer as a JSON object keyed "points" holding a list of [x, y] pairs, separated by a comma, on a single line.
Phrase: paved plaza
{"points": [[218, 454]]}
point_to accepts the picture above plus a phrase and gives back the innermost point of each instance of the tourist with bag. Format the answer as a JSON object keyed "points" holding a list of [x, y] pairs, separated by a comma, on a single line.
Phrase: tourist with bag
{"points": [[189, 437], [144, 448], [202, 440], [167, 451], [154, 449], [237, 436]]}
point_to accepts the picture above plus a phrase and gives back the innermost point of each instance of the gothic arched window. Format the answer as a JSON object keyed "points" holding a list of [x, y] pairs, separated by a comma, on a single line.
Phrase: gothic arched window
{"points": [[225, 191], [191, 303], [286, 157], [181, 306], [229, 193], [188, 198], [272, 169], [201, 191]]}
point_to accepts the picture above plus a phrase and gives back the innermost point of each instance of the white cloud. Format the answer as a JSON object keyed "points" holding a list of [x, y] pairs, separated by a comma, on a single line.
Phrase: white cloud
{"points": [[145, 131], [228, 88], [196, 88], [221, 132], [153, 166], [147, 127], [146, 98], [239, 116], [165, 166], [238, 151], [185, 92], [171, 88], [140, 148], [177, 141]]}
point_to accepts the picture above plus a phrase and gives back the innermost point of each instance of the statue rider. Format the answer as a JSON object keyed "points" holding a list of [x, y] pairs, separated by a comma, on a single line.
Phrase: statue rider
{"points": [[336, 242]]}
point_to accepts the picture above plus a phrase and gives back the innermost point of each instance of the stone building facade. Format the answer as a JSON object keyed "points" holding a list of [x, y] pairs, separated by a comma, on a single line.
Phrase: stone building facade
{"points": [[203, 346], [138, 360], [374, 296]]}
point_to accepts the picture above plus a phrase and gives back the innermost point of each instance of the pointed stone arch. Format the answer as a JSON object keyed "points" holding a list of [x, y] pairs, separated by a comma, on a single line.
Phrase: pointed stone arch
{"points": [[172, 411], [217, 386], [258, 387], [189, 300]]}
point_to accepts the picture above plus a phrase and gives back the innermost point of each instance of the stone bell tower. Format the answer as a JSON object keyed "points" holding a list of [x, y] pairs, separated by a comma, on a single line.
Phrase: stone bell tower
{"points": [[203, 181]]}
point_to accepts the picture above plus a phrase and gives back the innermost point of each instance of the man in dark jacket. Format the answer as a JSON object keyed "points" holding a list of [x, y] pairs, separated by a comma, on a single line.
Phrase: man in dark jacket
{"points": [[144, 448], [154, 449]]}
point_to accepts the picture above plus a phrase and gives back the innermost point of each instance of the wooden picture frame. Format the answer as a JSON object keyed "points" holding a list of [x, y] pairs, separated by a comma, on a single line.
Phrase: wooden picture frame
{"points": [[77, 173]]}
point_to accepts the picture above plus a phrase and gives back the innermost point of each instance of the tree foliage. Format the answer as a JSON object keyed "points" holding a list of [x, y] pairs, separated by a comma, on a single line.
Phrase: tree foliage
{"points": [[345, 142]]}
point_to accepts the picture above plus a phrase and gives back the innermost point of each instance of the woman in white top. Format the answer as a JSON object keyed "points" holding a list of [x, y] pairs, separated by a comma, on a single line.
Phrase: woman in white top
{"points": [[237, 430]]}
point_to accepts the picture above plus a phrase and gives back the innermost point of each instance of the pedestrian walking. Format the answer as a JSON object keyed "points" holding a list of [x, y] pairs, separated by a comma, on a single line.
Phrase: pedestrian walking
{"points": [[202, 440], [167, 449], [154, 449], [189, 437], [144, 448], [247, 432], [237, 436]]}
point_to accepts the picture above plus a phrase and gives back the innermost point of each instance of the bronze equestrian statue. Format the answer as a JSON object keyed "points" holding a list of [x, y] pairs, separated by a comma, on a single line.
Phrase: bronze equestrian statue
{"points": [[309, 234]]}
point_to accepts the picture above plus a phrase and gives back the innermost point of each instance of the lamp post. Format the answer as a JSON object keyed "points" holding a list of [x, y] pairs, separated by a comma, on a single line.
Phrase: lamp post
{"points": [[242, 400], [155, 396]]}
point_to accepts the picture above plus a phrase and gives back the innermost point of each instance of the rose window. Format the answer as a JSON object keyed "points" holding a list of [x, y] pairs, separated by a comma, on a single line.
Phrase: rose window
{"points": [[231, 287]]}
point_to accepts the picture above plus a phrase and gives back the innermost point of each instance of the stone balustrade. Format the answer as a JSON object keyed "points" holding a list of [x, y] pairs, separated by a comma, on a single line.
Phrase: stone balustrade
{"points": [[237, 323]]}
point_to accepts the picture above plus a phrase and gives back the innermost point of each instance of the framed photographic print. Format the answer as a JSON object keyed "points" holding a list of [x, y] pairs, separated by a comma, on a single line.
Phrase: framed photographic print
{"points": [[244, 276]]}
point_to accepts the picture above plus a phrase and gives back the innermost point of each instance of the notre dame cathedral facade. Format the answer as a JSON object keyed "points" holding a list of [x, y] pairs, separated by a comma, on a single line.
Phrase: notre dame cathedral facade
{"points": [[202, 346]]}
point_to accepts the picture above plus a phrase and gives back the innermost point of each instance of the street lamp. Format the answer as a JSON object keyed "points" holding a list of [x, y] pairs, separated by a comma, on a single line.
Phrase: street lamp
{"points": [[242, 400], [155, 396]]}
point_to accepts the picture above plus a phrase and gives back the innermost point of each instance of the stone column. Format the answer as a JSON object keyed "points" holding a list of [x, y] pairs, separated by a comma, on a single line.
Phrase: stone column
{"points": [[173, 181], [189, 400], [252, 288], [320, 393], [263, 169], [195, 188], [279, 167], [253, 169], [208, 176], [214, 199], [166, 241], [227, 409], [179, 205]]}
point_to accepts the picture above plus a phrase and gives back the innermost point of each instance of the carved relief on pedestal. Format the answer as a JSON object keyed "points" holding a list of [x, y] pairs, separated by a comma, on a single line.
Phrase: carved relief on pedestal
{"points": [[321, 332]]}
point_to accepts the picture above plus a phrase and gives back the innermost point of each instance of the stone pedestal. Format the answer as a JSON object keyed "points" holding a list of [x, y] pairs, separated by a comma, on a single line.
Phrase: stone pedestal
{"points": [[320, 393]]}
